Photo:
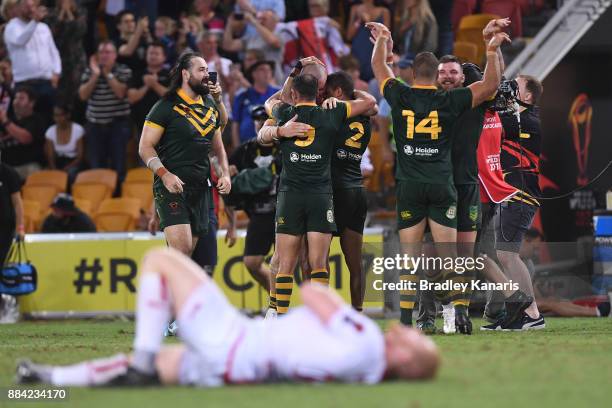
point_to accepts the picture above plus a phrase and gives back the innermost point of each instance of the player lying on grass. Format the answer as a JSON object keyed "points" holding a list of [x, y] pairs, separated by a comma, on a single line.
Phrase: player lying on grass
{"points": [[325, 340]]}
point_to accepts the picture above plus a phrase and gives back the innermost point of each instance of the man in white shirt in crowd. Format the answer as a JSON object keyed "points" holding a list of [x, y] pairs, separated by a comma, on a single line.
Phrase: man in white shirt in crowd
{"points": [[35, 58]]}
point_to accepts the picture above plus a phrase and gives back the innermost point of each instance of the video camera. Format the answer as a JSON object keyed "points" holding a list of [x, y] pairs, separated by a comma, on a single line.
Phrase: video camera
{"points": [[507, 95]]}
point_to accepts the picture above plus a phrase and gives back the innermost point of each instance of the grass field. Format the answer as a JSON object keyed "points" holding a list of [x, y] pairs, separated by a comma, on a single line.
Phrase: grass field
{"points": [[567, 365]]}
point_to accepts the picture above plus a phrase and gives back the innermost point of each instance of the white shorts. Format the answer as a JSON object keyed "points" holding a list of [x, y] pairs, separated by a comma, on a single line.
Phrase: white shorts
{"points": [[211, 328]]}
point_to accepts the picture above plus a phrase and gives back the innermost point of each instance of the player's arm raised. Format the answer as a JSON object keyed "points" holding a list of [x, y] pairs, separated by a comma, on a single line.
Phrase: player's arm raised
{"points": [[151, 135], [383, 51], [484, 89], [322, 301]]}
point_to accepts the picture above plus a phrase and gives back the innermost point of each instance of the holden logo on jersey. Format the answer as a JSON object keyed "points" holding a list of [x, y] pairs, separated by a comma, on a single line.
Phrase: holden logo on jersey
{"points": [[330, 216], [294, 157], [408, 150], [341, 154], [452, 211]]}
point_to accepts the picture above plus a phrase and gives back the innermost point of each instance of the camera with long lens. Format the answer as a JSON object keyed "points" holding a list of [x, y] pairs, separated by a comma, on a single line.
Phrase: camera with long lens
{"points": [[507, 95]]}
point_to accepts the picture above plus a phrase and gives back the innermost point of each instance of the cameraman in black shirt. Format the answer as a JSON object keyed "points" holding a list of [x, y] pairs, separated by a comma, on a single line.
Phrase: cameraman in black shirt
{"points": [[260, 206], [520, 157]]}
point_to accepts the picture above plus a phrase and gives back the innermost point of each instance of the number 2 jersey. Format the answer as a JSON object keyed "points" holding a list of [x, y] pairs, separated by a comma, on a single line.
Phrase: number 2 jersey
{"points": [[351, 143], [423, 120]]}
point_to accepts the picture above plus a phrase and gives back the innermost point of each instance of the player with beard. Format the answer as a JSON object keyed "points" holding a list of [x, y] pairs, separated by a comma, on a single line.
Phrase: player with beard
{"points": [[178, 135]]}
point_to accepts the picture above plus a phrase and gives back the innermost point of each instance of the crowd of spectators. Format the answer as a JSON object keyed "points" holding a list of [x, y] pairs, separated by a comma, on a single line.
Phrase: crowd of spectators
{"points": [[77, 77]]}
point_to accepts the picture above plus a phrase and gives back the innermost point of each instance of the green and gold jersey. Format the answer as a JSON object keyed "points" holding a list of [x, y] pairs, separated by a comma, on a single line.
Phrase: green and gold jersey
{"points": [[351, 143], [466, 135], [189, 126], [423, 120], [306, 160]]}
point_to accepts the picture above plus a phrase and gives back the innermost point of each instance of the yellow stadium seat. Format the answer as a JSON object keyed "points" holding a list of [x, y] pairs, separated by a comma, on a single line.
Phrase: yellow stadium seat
{"points": [[98, 176], [94, 193], [141, 191], [466, 52], [56, 178], [139, 175], [117, 215], [31, 215], [42, 194], [84, 205], [470, 30]]}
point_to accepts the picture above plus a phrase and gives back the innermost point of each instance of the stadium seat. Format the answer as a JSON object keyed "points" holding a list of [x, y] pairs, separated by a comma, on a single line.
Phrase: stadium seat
{"points": [[31, 215], [84, 205], [95, 186], [42, 194], [466, 51], [117, 215], [141, 191], [56, 178], [98, 176], [139, 175], [94, 193], [506, 8], [470, 30]]}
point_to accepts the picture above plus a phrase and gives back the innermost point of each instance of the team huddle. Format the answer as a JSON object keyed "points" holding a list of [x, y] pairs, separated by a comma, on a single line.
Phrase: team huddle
{"points": [[321, 126]]}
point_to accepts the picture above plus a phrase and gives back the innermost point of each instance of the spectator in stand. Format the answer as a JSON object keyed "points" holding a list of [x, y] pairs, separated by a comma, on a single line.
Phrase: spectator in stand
{"points": [[36, 60], [22, 134], [374, 87], [443, 11], [186, 40], [11, 217], [205, 10], [238, 80], [6, 85], [208, 45], [8, 9], [133, 40], [360, 35], [66, 217], [317, 36], [243, 126], [64, 147], [165, 31], [351, 66], [256, 6], [104, 87], [68, 24], [266, 37], [145, 90], [417, 29]]}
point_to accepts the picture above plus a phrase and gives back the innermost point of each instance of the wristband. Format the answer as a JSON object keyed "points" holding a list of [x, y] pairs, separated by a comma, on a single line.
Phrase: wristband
{"points": [[161, 171]]}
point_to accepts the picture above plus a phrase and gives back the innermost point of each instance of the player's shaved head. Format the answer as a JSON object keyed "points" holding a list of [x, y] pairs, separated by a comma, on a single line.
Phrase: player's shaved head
{"points": [[425, 67], [306, 86]]}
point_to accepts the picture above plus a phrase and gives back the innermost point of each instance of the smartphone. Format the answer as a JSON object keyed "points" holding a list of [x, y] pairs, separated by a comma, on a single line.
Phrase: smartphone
{"points": [[238, 16], [212, 77]]}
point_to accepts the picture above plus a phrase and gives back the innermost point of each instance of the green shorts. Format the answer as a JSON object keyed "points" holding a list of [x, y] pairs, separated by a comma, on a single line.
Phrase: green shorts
{"points": [[298, 213], [416, 201], [469, 213], [189, 207], [350, 209]]}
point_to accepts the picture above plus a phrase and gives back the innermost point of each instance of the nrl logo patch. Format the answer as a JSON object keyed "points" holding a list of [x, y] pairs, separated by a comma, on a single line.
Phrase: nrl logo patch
{"points": [[452, 212], [341, 154], [408, 150], [330, 216], [294, 157]]}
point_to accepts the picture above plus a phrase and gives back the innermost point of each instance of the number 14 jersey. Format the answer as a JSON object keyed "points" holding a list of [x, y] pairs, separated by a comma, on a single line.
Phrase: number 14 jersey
{"points": [[423, 119]]}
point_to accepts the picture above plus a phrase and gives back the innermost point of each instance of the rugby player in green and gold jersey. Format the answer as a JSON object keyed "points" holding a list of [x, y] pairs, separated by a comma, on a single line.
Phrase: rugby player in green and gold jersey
{"points": [[179, 133], [423, 119], [305, 203], [350, 204]]}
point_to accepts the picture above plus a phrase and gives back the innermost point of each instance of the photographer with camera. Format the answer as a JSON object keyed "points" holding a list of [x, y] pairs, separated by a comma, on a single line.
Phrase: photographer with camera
{"points": [[255, 169], [521, 140]]}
